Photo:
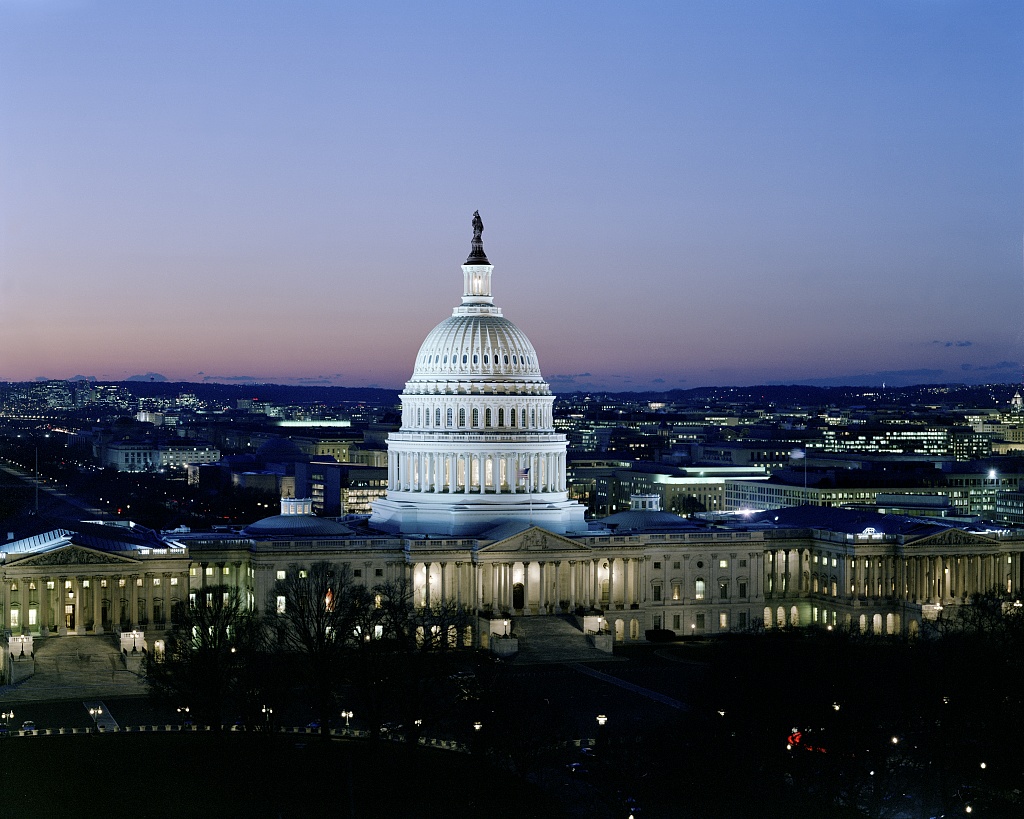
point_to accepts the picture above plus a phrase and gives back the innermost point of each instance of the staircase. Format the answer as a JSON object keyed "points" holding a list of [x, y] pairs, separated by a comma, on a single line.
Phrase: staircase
{"points": [[553, 639], [76, 668]]}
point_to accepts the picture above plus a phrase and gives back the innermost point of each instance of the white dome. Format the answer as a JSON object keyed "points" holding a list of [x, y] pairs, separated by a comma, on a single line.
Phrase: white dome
{"points": [[477, 445], [465, 352]]}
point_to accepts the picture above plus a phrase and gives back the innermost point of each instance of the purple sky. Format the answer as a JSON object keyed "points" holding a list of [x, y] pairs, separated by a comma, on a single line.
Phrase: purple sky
{"points": [[675, 194]]}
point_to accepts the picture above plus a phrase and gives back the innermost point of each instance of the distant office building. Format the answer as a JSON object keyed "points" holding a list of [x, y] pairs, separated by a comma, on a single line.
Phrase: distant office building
{"points": [[151, 456], [963, 443]]}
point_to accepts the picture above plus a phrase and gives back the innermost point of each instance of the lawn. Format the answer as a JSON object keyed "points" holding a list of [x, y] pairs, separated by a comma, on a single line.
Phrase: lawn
{"points": [[252, 775]]}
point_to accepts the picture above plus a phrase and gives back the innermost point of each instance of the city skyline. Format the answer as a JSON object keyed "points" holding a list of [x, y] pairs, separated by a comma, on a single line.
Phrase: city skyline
{"points": [[674, 195]]}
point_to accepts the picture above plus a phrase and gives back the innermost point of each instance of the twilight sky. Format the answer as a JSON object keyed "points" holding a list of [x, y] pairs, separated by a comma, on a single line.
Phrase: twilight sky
{"points": [[675, 194]]}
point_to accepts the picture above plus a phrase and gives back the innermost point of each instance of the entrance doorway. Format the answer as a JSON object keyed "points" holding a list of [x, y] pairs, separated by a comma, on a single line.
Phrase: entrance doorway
{"points": [[69, 616], [518, 598]]}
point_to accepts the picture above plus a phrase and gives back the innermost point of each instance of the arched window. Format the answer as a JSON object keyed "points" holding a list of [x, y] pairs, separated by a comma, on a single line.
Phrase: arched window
{"points": [[698, 589], [506, 359], [501, 416], [487, 417], [419, 416], [476, 417], [437, 417], [463, 358], [512, 418], [462, 417], [533, 418], [475, 358], [449, 416], [523, 418]]}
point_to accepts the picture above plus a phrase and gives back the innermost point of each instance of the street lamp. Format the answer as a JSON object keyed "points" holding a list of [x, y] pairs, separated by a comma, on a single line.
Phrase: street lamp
{"points": [[347, 715], [268, 714], [183, 715], [601, 720]]}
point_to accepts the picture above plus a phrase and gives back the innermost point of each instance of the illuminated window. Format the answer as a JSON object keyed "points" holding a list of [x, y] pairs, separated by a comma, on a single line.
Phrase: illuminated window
{"points": [[723, 619], [675, 591], [303, 573], [698, 589], [723, 564], [67, 584], [174, 581], [209, 571], [138, 581], [192, 571], [226, 570], [31, 617], [280, 574], [49, 585]]}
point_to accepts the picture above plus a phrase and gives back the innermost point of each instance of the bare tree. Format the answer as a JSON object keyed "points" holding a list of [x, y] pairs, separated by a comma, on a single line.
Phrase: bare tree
{"points": [[213, 646], [312, 615]]}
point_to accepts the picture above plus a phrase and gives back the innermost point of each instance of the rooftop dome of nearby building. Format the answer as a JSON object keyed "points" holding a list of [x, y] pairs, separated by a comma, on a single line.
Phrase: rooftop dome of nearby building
{"points": [[644, 520], [645, 514], [296, 520], [295, 526]]}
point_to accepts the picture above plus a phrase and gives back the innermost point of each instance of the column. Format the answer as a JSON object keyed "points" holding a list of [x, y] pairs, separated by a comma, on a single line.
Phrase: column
{"points": [[595, 599], [426, 585], [526, 587], [44, 607], [611, 582], [23, 583], [573, 568], [444, 583], [542, 592], [558, 584], [96, 587], [458, 583]]}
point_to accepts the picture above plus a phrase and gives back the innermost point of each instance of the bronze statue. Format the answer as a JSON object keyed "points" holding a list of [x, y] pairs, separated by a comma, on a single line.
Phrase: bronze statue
{"points": [[478, 226]]}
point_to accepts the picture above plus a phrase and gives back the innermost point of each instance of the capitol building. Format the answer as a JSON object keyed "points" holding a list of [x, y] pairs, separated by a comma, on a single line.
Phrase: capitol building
{"points": [[477, 514]]}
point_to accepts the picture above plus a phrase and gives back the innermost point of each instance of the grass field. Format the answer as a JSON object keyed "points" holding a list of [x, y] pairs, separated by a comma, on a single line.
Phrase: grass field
{"points": [[251, 775]]}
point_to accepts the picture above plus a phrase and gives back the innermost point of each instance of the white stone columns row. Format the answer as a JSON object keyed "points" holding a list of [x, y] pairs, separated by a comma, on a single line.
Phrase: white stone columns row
{"points": [[475, 472]]}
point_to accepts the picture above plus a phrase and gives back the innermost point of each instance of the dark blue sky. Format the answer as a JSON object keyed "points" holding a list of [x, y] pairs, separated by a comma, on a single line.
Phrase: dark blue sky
{"points": [[674, 193]]}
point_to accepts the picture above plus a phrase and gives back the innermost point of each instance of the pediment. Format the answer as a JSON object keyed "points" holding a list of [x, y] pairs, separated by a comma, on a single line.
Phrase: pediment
{"points": [[537, 541], [72, 556], [954, 537]]}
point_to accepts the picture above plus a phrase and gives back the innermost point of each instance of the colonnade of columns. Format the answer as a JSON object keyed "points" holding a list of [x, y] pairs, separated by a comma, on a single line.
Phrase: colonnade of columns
{"points": [[462, 472], [925, 578], [79, 603], [598, 582]]}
